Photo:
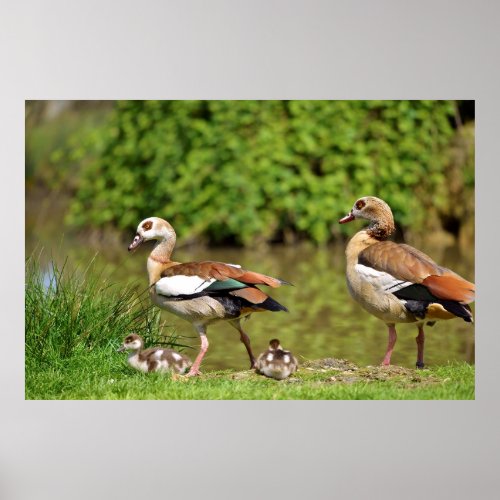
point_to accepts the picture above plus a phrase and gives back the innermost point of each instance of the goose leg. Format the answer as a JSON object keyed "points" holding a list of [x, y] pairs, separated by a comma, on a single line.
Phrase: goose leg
{"points": [[420, 346], [195, 368], [390, 346], [246, 341]]}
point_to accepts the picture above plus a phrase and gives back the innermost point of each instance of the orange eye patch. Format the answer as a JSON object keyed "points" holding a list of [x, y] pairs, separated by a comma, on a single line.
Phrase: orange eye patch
{"points": [[360, 204], [147, 225]]}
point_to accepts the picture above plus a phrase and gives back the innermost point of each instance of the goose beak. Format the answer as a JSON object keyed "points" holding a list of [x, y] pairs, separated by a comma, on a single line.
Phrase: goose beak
{"points": [[121, 348], [348, 218], [136, 242]]}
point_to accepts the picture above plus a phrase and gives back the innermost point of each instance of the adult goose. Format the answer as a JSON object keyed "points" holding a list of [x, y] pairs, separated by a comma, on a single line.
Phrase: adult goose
{"points": [[202, 292], [398, 283]]}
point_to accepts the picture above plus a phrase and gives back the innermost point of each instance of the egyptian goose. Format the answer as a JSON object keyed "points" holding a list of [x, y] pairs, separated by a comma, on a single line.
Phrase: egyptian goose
{"points": [[202, 292], [276, 362], [155, 359], [398, 283]]}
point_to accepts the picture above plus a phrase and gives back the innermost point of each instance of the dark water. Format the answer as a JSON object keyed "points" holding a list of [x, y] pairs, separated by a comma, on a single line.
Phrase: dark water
{"points": [[323, 320]]}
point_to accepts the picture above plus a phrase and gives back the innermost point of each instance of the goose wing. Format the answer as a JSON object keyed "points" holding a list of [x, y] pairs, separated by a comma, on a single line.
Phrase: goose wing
{"points": [[396, 268], [194, 279]]}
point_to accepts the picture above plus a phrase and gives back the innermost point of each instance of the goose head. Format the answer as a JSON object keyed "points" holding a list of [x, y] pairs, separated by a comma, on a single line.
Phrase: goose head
{"points": [[132, 342], [374, 210], [152, 228]]}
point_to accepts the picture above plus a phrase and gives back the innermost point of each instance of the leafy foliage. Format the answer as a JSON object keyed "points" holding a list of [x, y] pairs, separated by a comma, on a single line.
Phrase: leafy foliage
{"points": [[247, 171]]}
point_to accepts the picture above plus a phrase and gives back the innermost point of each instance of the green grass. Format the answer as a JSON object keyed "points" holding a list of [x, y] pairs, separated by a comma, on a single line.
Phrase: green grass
{"points": [[76, 321], [71, 317], [105, 374]]}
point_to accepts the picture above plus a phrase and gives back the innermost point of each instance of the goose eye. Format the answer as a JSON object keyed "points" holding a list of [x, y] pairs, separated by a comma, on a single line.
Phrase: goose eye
{"points": [[360, 204], [147, 225]]}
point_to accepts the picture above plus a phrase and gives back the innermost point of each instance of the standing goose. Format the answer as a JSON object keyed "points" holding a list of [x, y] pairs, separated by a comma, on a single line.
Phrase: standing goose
{"points": [[398, 283], [202, 292]]}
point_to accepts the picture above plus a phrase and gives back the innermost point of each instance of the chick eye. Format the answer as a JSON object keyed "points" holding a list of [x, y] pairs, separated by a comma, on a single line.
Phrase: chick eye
{"points": [[360, 204], [147, 225]]}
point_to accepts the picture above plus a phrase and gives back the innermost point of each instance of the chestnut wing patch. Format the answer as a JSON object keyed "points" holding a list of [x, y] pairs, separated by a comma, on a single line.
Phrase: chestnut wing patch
{"points": [[451, 287]]}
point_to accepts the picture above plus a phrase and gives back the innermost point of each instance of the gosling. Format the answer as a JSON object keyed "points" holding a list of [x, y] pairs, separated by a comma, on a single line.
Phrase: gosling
{"points": [[155, 359], [276, 362]]}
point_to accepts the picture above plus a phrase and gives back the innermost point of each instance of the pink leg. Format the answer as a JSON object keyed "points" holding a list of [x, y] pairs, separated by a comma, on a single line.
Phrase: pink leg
{"points": [[195, 369], [420, 346], [390, 346]]}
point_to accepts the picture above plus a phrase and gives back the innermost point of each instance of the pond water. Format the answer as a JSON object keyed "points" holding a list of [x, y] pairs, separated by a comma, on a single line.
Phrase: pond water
{"points": [[323, 320]]}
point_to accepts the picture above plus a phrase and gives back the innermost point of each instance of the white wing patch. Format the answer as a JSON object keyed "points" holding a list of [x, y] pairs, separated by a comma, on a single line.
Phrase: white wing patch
{"points": [[381, 280], [157, 354], [173, 286], [233, 265]]}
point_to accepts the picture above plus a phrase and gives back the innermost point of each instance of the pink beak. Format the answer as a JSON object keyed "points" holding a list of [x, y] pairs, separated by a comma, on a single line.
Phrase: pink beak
{"points": [[347, 218], [136, 242]]}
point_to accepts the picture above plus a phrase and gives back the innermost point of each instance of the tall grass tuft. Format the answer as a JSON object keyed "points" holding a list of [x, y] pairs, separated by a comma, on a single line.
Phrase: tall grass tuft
{"points": [[71, 312]]}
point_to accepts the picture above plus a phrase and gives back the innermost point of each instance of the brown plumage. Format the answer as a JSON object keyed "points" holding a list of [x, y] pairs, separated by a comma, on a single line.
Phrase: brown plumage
{"points": [[221, 272], [398, 283], [409, 264], [202, 292]]}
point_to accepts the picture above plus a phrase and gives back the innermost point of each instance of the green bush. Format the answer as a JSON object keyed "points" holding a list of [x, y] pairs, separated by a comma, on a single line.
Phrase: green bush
{"points": [[246, 171], [55, 148]]}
